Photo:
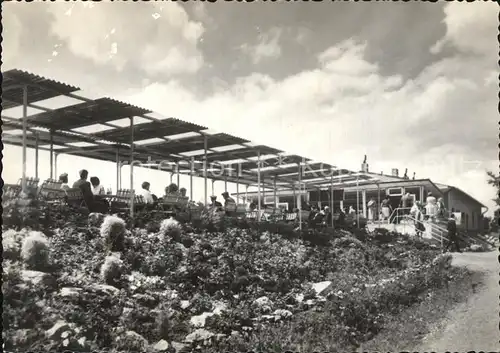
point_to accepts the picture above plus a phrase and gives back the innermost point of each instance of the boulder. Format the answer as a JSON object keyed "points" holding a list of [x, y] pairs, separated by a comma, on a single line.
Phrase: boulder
{"points": [[55, 332], [38, 278], [178, 347], [105, 289], [199, 320], [282, 314], [70, 292], [263, 301], [476, 248], [199, 335], [322, 288], [161, 346]]}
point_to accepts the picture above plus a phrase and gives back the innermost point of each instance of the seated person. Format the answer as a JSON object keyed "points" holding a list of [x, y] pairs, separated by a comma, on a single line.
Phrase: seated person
{"points": [[97, 188], [172, 189], [228, 200], [92, 204], [146, 194], [215, 203], [183, 192], [253, 205], [64, 179]]}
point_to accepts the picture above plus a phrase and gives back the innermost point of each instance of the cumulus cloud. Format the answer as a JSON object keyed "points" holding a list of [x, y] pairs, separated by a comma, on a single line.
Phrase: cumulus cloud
{"points": [[115, 33], [267, 46]]}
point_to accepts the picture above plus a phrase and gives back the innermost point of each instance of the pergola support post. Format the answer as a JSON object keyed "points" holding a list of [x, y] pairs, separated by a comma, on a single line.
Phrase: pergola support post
{"points": [[205, 143], [258, 186], [36, 155], [300, 197], [51, 155], [357, 202], [25, 126], [237, 191], [118, 169], [213, 191], [191, 180], [332, 199], [178, 175], [56, 155], [132, 194], [275, 198]]}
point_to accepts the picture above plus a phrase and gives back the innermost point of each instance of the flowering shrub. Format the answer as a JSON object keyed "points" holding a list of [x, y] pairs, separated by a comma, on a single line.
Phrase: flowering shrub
{"points": [[113, 231], [111, 270], [170, 228], [35, 251]]}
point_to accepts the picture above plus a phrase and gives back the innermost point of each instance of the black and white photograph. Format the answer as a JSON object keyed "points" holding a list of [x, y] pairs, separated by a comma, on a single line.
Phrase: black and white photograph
{"points": [[250, 176]]}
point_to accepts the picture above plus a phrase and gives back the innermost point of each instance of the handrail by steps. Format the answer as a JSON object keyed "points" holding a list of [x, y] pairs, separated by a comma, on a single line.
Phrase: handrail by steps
{"points": [[435, 236]]}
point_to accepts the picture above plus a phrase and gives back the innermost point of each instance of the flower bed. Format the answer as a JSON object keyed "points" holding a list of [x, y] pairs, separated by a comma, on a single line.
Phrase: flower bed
{"points": [[167, 287]]}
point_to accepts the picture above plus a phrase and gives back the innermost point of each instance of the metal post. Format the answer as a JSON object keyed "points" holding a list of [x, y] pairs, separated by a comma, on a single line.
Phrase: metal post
{"points": [[363, 200], [51, 155], [237, 191], [225, 183], [246, 193], [132, 166], [331, 198], [213, 182], [357, 201], [191, 179], [25, 126], [205, 168], [275, 198], [294, 198], [300, 197], [258, 185], [36, 155], [178, 175], [118, 169], [55, 163], [171, 177], [378, 207]]}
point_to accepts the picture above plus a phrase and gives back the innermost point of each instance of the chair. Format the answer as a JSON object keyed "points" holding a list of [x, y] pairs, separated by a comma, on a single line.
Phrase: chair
{"points": [[121, 202], [290, 217], [11, 191], [51, 191], [74, 198], [169, 201]]}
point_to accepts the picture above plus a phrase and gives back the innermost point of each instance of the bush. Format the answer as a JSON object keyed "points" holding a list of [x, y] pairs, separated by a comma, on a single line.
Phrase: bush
{"points": [[111, 270], [113, 231], [35, 251], [170, 228]]}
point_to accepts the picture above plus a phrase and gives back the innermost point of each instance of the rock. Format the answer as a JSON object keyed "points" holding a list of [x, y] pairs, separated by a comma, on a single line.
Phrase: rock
{"points": [[95, 219], [322, 288], [199, 335], [145, 299], [185, 304], [178, 346], [37, 278], [70, 292], [476, 248], [82, 342], [55, 332], [65, 334], [199, 320], [161, 345], [282, 313], [263, 301], [105, 289], [299, 298]]}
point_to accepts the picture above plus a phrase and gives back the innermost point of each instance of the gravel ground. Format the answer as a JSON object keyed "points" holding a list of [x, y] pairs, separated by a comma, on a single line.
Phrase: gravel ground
{"points": [[473, 325]]}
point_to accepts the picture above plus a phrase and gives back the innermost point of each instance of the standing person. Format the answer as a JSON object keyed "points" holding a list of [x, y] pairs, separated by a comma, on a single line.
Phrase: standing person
{"points": [[386, 208], [441, 208], [64, 179], [406, 202], [431, 206], [452, 234], [416, 212], [372, 209], [97, 188]]}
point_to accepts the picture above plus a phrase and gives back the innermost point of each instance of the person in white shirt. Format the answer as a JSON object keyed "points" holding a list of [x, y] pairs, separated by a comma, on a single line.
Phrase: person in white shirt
{"points": [[148, 196], [97, 188], [431, 206]]}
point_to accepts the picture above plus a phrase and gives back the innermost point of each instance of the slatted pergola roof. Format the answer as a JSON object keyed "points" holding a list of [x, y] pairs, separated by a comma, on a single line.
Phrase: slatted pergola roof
{"points": [[63, 119]]}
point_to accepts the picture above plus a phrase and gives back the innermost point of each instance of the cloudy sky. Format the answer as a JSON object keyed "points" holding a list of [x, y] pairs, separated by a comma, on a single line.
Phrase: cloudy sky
{"points": [[412, 85]]}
